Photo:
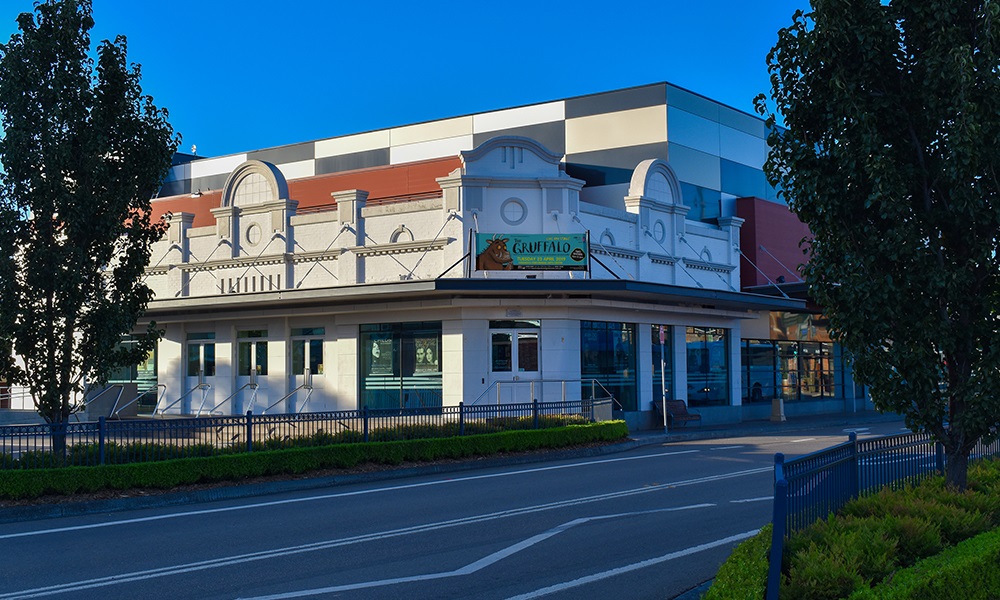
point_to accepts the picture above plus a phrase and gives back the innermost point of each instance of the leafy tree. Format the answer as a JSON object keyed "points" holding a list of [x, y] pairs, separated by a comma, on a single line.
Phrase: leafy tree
{"points": [[890, 154], [83, 151]]}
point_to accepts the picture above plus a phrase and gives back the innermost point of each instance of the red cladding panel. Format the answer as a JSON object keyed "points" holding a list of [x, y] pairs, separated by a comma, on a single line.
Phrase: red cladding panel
{"points": [[777, 229]]}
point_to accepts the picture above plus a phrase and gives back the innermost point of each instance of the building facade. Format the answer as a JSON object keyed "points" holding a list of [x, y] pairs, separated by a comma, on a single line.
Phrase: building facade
{"points": [[356, 271]]}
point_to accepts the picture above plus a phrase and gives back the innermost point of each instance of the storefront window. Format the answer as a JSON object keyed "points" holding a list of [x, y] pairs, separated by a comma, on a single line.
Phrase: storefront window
{"points": [[759, 359], [663, 371], [707, 366], [608, 356], [400, 365], [789, 370]]}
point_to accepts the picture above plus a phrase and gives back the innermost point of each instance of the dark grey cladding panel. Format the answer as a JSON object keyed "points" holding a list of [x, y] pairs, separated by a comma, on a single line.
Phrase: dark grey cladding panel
{"points": [[211, 182], [175, 188], [606, 167], [285, 154], [349, 162], [639, 97], [551, 135]]}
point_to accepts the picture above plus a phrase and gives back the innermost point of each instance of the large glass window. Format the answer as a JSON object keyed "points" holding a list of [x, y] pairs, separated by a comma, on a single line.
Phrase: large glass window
{"points": [[789, 370], [608, 356], [663, 370], [400, 365], [707, 366]]}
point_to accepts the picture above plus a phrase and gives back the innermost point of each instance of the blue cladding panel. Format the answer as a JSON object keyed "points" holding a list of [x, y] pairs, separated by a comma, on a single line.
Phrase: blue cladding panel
{"points": [[741, 180]]}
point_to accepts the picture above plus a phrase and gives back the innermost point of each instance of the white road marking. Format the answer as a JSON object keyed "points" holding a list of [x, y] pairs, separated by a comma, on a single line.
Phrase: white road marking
{"points": [[726, 447], [207, 511], [803, 440], [760, 499], [462, 571], [327, 544], [552, 589]]}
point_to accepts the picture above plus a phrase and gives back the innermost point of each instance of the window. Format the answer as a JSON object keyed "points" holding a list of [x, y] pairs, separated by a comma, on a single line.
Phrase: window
{"points": [[608, 356], [400, 365], [707, 366], [759, 360]]}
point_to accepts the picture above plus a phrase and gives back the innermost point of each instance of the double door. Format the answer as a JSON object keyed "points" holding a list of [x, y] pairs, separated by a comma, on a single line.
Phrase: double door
{"points": [[514, 364]]}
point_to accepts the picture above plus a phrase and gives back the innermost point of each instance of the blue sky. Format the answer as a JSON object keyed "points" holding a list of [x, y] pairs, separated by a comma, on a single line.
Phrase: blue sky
{"points": [[239, 76]]}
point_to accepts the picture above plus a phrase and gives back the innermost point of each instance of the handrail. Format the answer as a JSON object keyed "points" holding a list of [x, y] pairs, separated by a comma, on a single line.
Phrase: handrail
{"points": [[594, 384], [200, 386], [289, 395], [115, 410], [82, 407], [251, 385]]}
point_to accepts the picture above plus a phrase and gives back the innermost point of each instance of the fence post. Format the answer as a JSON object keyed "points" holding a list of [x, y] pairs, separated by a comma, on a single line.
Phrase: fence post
{"points": [[534, 412], [779, 521], [855, 476], [101, 436], [939, 456], [461, 418], [364, 423], [250, 430]]}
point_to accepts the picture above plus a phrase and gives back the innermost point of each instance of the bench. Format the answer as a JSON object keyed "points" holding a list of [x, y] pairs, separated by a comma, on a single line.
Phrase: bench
{"points": [[677, 412]]}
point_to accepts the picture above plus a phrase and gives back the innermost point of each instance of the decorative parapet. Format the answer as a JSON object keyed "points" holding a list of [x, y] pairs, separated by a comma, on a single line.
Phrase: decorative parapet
{"points": [[402, 247], [708, 266]]}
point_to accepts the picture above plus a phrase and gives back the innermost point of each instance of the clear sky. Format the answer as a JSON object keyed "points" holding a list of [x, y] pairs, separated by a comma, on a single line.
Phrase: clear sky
{"points": [[239, 76]]}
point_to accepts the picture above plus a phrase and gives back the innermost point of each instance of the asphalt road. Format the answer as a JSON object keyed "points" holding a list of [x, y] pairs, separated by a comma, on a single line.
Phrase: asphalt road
{"points": [[652, 522]]}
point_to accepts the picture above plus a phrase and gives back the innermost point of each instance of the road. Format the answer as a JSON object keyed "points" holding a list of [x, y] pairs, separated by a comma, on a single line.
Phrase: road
{"points": [[653, 523]]}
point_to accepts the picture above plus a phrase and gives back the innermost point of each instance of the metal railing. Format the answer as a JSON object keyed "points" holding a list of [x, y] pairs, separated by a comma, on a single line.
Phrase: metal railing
{"points": [[115, 442], [533, 389], [811, 487]]}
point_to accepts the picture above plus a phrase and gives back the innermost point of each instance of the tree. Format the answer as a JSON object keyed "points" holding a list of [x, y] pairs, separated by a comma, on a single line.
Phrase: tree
{"points": [[83, 151], [890, 153]]}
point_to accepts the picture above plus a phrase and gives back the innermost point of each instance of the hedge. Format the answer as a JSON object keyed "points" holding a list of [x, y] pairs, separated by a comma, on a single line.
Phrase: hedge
{"points": [[744, 575], [23, 484], [966, 571]]}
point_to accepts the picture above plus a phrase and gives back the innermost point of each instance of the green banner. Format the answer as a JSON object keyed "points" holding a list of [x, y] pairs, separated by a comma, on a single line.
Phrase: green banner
{"points": [[531, 252]]}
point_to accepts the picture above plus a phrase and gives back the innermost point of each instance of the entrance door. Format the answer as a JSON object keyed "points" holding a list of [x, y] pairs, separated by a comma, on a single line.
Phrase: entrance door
{"points": [[251, 367], [307, 366], [514, 364], [200, 373]]}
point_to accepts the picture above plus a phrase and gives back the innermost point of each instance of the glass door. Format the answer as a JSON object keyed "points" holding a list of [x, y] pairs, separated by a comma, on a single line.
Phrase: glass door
{"points": [[251, 368], [514, 360], [307, 365], [200, 372]]}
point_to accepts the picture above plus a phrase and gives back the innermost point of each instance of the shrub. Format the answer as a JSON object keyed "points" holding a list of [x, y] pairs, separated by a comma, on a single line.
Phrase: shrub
{"points": [[744, 574]]}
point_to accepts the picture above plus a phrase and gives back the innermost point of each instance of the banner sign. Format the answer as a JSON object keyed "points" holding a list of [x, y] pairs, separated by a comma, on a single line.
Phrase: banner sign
{"points": [[531, 252]]}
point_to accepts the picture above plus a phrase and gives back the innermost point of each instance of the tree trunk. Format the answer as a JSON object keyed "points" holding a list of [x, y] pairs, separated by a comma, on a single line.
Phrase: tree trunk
{"points": [[58, 442], [957, 468]]}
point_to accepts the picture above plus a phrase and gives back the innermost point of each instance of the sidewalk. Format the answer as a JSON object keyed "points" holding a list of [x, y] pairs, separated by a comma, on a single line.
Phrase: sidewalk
{"points": [[687, 433], [239, 491]]}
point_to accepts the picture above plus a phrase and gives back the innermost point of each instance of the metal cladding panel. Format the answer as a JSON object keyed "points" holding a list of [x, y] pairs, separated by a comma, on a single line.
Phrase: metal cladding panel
{"points": [[637, 97], [285, 154]]}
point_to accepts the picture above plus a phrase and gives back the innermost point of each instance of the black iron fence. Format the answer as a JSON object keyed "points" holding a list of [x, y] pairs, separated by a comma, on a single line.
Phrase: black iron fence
{"points": [[811, 487], [117, 442]]}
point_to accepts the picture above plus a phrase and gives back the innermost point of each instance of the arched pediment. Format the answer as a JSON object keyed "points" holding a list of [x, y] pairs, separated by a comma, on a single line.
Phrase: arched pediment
{"points": [[254, 182], [654, 179], [511, 156]]}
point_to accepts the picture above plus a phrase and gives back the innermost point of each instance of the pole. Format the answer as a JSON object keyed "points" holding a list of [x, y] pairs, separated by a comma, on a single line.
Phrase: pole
{"points": [[663, 378]]}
